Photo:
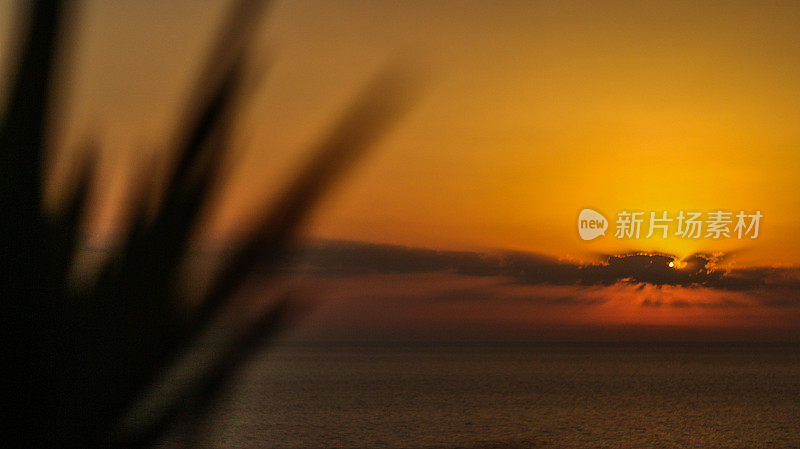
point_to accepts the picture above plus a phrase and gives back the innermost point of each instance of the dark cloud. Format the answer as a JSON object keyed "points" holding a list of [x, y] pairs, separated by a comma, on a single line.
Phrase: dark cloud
{"points": [[342, 258], [489, 294], [710, 304]]}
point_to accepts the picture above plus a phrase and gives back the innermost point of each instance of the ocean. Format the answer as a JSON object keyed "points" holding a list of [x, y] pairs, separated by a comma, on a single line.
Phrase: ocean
{"points": [[516, 396]]}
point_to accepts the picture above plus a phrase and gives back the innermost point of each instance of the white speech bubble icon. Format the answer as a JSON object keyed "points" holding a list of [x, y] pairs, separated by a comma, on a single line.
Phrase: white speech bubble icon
{"points": [[591, 224]]}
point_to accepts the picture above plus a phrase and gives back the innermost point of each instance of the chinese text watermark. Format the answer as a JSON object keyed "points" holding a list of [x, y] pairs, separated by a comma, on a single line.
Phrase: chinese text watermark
{"points": [[717, 224]]}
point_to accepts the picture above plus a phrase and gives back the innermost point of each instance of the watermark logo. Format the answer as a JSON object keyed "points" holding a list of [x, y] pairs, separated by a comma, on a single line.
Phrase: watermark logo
{"points": [[591, 224], [685, 225]]}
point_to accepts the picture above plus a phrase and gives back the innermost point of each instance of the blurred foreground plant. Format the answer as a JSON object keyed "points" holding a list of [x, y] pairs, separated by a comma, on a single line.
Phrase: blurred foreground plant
{"points": [[78, 363]]}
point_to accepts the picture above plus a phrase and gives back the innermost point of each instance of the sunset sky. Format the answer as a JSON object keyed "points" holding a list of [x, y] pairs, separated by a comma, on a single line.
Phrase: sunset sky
{"points": [[530, 112]]}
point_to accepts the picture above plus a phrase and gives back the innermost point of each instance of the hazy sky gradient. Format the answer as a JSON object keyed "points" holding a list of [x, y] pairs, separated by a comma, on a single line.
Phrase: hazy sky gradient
{"points": [[534, 110], [531, 111]]}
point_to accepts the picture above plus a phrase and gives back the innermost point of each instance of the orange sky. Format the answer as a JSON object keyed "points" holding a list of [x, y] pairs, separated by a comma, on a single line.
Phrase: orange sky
{"points": [[533, 111], [399, 307]]}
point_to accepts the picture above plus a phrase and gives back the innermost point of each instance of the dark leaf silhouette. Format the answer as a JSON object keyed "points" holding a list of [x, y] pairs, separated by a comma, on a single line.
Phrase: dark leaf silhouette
{"points": [[80, 362]]}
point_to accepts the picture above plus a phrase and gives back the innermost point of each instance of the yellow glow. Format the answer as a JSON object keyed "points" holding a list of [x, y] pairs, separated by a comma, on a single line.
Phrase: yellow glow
{"points": [[537, 110]]}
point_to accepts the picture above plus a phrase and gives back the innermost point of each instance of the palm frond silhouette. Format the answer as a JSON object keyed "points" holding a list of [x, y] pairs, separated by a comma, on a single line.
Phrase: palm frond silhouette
{"points": [[78, 363]]}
